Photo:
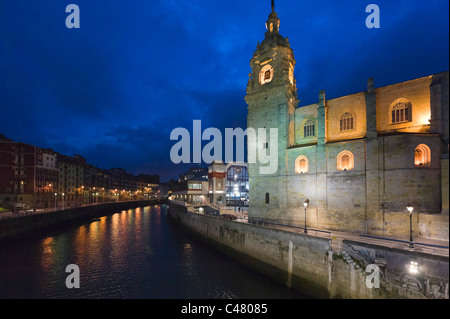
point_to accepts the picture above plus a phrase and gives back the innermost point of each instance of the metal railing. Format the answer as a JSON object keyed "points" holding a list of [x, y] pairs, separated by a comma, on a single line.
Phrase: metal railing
{"points": [[29, 211], [268, 223], [411, 245]]}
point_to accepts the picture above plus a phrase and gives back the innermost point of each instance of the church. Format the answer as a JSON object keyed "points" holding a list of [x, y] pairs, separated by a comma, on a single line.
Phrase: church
{"points": [[356, 161]]}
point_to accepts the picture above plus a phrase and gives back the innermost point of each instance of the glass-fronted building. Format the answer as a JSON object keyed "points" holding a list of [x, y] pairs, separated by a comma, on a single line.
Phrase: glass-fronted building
{"points": [[237, 185], [228, 184]]}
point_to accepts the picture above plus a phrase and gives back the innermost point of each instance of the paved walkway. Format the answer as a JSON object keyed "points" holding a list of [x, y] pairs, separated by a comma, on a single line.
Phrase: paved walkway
{"points": [[27, 212], [429, 246]]}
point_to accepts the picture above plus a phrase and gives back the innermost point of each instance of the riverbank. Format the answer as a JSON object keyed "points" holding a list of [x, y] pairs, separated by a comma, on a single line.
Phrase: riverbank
{"points": [[35, 222], [310, 265]]}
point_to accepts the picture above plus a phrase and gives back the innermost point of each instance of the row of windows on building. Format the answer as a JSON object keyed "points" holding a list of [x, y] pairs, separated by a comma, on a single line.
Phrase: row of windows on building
{"points": [[400, 112], [345, 160]]}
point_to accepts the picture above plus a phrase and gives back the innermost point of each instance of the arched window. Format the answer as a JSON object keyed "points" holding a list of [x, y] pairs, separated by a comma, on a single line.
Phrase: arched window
{"points": [[345, 161], [267, 198], [309, 129], [400, 111], [422, 156], [301, 164], [346, 122], [266, 74]]}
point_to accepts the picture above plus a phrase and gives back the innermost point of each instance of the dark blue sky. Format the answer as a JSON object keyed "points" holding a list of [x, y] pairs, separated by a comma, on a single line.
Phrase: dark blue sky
{"points": [[114, 89]]}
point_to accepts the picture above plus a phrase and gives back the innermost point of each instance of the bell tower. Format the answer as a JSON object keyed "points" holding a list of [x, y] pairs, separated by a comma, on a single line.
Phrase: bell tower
{"points": [[272, 99], [273, 61]]}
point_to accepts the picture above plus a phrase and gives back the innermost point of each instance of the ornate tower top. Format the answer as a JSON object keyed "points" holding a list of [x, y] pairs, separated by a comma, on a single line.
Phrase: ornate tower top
{"points": [[273, 61], [272, 35], [273, 23]]}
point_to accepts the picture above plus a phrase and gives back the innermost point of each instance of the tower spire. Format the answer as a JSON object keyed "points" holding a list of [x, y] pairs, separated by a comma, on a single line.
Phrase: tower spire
{"points": [[273, 23]]}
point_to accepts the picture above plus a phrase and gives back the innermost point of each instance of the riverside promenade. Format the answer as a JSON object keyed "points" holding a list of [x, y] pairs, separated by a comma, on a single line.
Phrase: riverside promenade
{"points": [[421, 245], [29, 221]]}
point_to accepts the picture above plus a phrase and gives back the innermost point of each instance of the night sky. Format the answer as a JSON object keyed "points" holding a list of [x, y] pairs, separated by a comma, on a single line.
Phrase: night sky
{"points": [[113, 90]]}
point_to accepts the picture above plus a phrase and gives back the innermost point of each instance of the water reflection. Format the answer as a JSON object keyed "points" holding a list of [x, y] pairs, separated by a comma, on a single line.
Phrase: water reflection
{"points": [[136, 253], [47, 258]]}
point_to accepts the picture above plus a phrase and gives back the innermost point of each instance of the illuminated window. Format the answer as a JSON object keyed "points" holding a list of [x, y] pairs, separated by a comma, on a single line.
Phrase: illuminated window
{"points": [[345, 161], [422, 156], [266, 74], [309, 128], [400, 111], [346, 122], [195, 186], [219, 184], [301, 164]]}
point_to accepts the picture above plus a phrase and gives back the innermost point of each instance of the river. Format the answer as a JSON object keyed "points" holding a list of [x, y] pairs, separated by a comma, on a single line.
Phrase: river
{"points": [[138, 254]]}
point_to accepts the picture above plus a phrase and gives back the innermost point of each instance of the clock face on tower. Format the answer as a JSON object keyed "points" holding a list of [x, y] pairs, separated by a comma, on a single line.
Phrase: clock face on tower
{"points": [[266, 74]]}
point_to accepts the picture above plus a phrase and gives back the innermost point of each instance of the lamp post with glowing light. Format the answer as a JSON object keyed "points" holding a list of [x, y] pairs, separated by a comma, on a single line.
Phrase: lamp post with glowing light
{"points": [[63, 200], [56, 194], [410, 209], [305, 204], [49, 197]]}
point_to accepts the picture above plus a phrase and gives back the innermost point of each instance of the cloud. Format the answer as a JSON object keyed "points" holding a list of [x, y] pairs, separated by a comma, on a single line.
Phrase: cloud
{"points": [[115, 88]]}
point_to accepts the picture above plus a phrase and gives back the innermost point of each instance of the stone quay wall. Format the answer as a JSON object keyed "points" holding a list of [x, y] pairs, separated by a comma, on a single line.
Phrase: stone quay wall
{"points": [[19, 226], [309, 264]]}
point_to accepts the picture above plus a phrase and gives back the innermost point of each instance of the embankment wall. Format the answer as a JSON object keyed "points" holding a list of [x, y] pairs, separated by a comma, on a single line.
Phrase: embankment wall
{"points": [[308, 264], [19, 226]]}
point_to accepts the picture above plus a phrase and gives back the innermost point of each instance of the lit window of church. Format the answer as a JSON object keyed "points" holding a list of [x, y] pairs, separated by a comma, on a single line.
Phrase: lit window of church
{"points": [[309, 129], [400, 112], [345, 161], [346, 122], [301, 164], [266, 74], [422, 156]]}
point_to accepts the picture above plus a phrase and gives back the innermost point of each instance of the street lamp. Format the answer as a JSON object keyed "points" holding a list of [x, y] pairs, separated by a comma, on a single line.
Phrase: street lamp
{"points": [[56, 194], [48, 196], [63, 200], [305, 204], [410, 209]]}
